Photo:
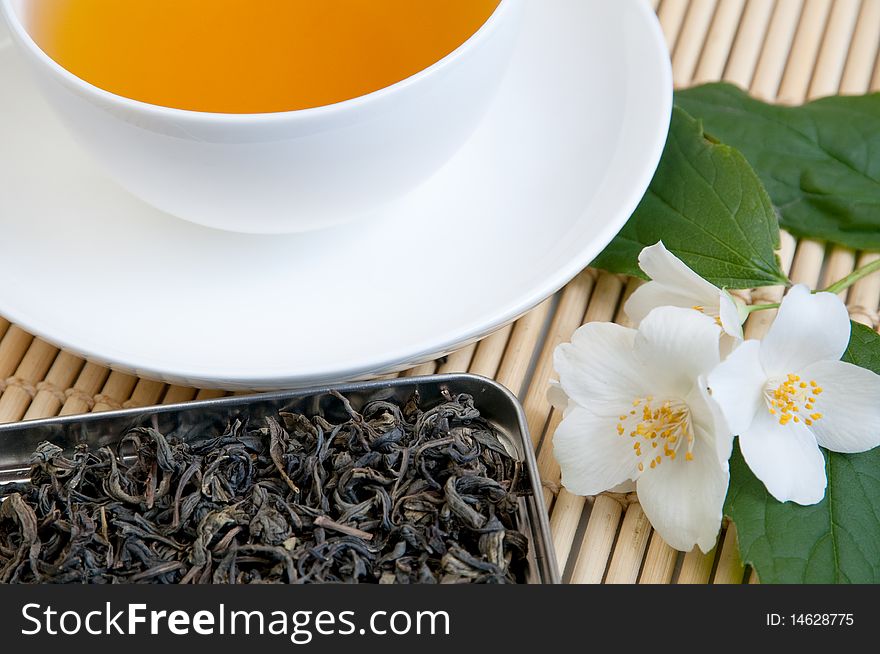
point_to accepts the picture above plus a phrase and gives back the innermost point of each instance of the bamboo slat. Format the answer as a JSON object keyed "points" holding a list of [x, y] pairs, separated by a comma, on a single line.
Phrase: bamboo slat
{"points": [[597, 542], [672, 14], [567, 512], [716, 49], [660, 562], [21, 387], [804, 50], [835, 48], [548, 468], [743, 59], [694, 35], [116, 389], [838, 264], [80, 398], [489, 351], [50, 395], [875, 80], [210, 394], [428, 368], [629, 551], [178, 394], [145, 393], [786, 51], [864, 296], [631, 285], [776, 48], [730, 569], [807, 265], [524, 340], [696, 567], [863, 50], [12, 349], [458, 361]]}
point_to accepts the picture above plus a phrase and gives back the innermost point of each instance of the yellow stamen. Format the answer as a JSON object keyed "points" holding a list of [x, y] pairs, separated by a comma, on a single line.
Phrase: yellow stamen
{"points": [[662, 423], [792, 396]]}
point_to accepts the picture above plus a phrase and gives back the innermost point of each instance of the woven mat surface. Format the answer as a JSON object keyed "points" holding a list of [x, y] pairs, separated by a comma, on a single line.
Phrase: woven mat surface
{"points": [[787, 51]]}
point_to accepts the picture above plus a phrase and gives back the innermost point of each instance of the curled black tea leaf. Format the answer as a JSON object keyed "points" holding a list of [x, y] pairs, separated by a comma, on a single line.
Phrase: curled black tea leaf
{"points": [[391, 494]]}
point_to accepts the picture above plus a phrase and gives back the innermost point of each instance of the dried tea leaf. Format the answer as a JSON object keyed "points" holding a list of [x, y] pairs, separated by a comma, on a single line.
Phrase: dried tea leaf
{"points": [[392, 494]]}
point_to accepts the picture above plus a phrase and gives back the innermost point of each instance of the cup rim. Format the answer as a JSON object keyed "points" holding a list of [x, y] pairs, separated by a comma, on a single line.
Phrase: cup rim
{"points": [[172, 113]]}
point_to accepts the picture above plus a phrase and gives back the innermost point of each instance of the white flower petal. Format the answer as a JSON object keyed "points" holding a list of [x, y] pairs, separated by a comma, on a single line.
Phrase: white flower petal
{"points": [[598, 366], [651, 295], [672, 284], [738, 385], [708, 421], [557, 397], [676, 346], [684, 499], [849, 404], [786, 458], [665, 268], [591, 455], [629, 486], [808, 328], [731, 317]]}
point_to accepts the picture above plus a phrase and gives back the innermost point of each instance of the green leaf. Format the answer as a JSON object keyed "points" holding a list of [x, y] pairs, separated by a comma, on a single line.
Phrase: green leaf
{"points": [[820, 162], [709, 208], [835, 541], [864, 348]]}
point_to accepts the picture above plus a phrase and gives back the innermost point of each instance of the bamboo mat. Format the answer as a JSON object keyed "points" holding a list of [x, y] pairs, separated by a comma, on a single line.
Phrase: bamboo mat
{"points": [[787, 51]]}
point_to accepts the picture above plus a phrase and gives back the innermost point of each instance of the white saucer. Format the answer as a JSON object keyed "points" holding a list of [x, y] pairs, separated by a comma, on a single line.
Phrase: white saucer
{"points": [[560, 162]]}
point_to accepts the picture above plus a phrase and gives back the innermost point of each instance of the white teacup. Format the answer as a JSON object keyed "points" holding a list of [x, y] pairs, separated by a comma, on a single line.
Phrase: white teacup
{"points": [[288, 171]]}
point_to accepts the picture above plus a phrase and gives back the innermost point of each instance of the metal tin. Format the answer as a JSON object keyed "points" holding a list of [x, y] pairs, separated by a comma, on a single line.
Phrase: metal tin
{"points": [[496, 404]]}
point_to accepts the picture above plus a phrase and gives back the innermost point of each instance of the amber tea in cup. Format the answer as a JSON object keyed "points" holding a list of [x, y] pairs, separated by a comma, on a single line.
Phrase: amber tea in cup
{"points": [[268, 116], [250, 56]]}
